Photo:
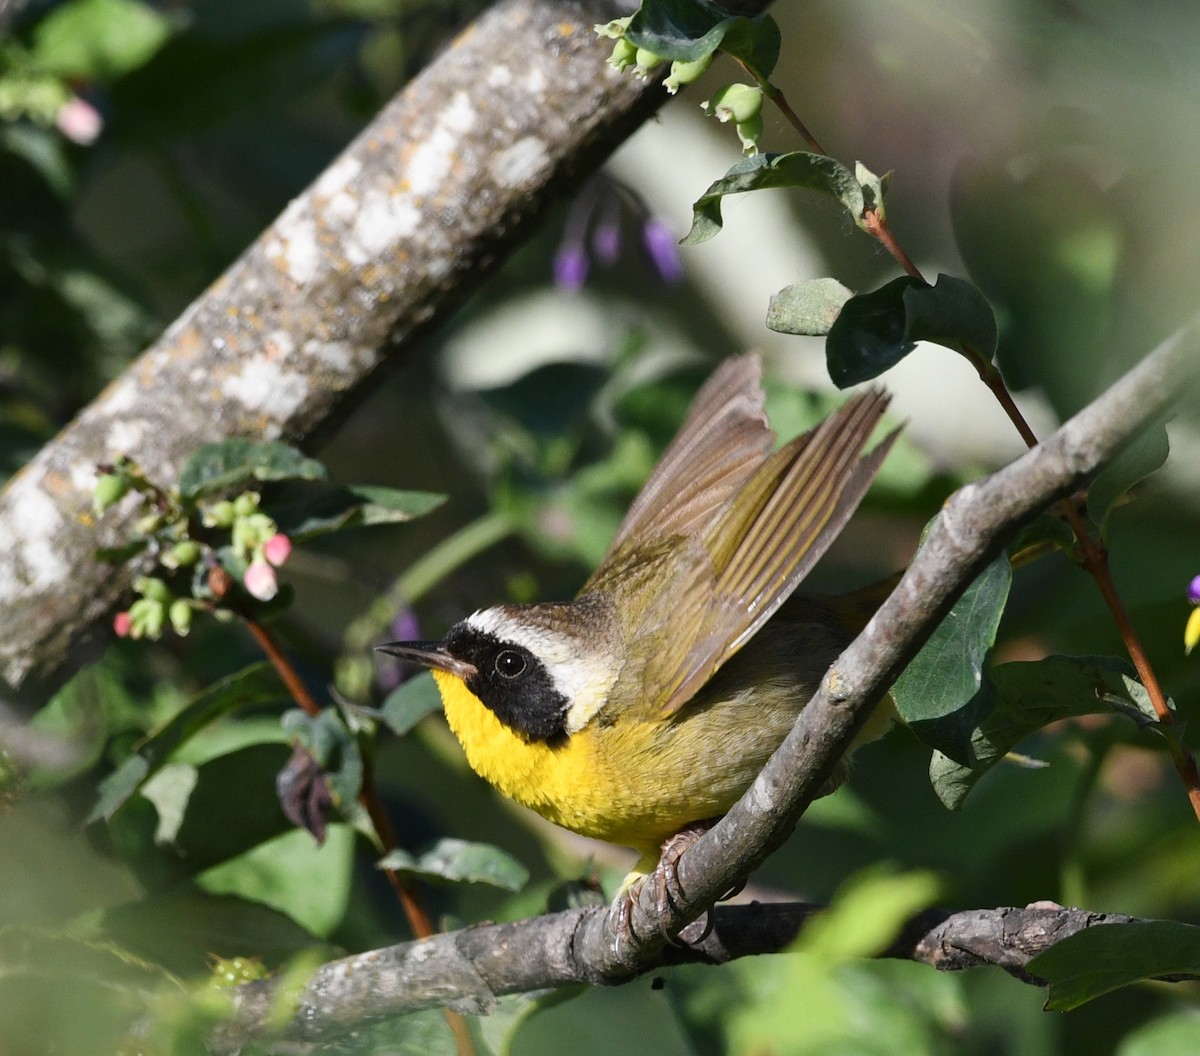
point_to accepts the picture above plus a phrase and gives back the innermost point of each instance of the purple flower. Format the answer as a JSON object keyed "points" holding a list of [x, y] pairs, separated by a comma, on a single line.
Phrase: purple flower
{"points": [[594, 221], [404, 628], [606, 242], [570, 267], [660, 245], [1191, 630]]}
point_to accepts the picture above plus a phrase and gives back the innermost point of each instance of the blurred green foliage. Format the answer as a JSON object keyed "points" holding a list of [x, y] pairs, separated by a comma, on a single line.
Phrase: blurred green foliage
{"points": [[1044, 151]]}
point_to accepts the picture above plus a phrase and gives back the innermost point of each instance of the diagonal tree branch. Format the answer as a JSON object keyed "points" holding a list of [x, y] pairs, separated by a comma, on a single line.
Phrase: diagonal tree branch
{"points": [[467, 970], [441, 186]]}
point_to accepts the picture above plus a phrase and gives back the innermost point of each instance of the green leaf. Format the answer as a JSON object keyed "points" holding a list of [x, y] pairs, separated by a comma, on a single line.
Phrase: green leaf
{"points": [[873, 187], [499, 1027], [869, 336], [232, 463], [1136, 461], [878, 329], [460, 862], [814, 172], [952, 313], [943, 693], [310, 883], [867, 913], [305, 509], [1103, 958], [1174, 1034], [808, 308], [410, 702], [423, 1033], [1030, 695], [238, 785], [88, 39], [688, 30], [252, 686]]}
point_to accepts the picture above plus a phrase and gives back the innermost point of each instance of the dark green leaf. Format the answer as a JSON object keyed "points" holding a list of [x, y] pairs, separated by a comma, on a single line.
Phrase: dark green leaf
{"points": [[305, 509], [98, 38], [232, 463], [239, 785], [943, 694], [460, 862], [410, 702], [1101, 959], [870, 335], [755, 41], [814, 172], [1136, 461], [952, 313], [252, 686], [878, 329], [808, 308], [688, 30], [1031, 695]]}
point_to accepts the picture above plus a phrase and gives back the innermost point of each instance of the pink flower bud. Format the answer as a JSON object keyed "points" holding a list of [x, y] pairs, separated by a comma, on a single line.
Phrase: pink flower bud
{"points": [[79, 121], [260, 581], [122, 623], [277, 549]]}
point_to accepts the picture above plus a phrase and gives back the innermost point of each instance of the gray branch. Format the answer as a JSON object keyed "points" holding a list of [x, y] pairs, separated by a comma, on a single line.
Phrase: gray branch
{"points": [[440, 187], [470, 970], [467, 970]]}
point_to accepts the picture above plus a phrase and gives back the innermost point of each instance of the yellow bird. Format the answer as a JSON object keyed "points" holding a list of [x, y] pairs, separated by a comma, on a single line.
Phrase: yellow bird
{"points": [[648, 704]]}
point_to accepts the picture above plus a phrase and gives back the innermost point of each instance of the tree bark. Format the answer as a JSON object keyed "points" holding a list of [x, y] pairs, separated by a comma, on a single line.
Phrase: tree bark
{"points": [[447, 180]]}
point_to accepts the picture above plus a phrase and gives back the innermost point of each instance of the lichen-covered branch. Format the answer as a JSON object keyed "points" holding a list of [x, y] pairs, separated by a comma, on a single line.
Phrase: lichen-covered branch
{"points": [[439, 188]]}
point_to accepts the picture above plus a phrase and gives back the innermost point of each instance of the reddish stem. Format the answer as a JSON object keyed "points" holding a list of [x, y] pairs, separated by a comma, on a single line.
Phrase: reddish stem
{"points": [[874, 224], [777, 97]]}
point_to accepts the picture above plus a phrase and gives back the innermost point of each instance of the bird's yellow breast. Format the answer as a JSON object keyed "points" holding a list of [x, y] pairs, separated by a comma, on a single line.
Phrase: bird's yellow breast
{"points": [[626, 783]]}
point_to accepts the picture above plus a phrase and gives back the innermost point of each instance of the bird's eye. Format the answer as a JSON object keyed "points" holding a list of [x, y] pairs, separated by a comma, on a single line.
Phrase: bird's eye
{"points": [[510, 663]]}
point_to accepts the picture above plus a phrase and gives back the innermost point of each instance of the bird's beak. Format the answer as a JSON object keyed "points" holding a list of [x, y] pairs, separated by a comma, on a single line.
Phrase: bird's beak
{"points": [[430, 654]]}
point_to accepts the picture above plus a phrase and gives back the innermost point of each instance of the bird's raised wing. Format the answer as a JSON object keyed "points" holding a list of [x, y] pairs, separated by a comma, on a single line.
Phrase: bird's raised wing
{"points": [[754, 552], [723, 441]]}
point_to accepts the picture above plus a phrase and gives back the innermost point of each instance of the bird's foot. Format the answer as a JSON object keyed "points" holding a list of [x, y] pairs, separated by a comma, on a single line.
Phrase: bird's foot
{"points": [[664, 881]]}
